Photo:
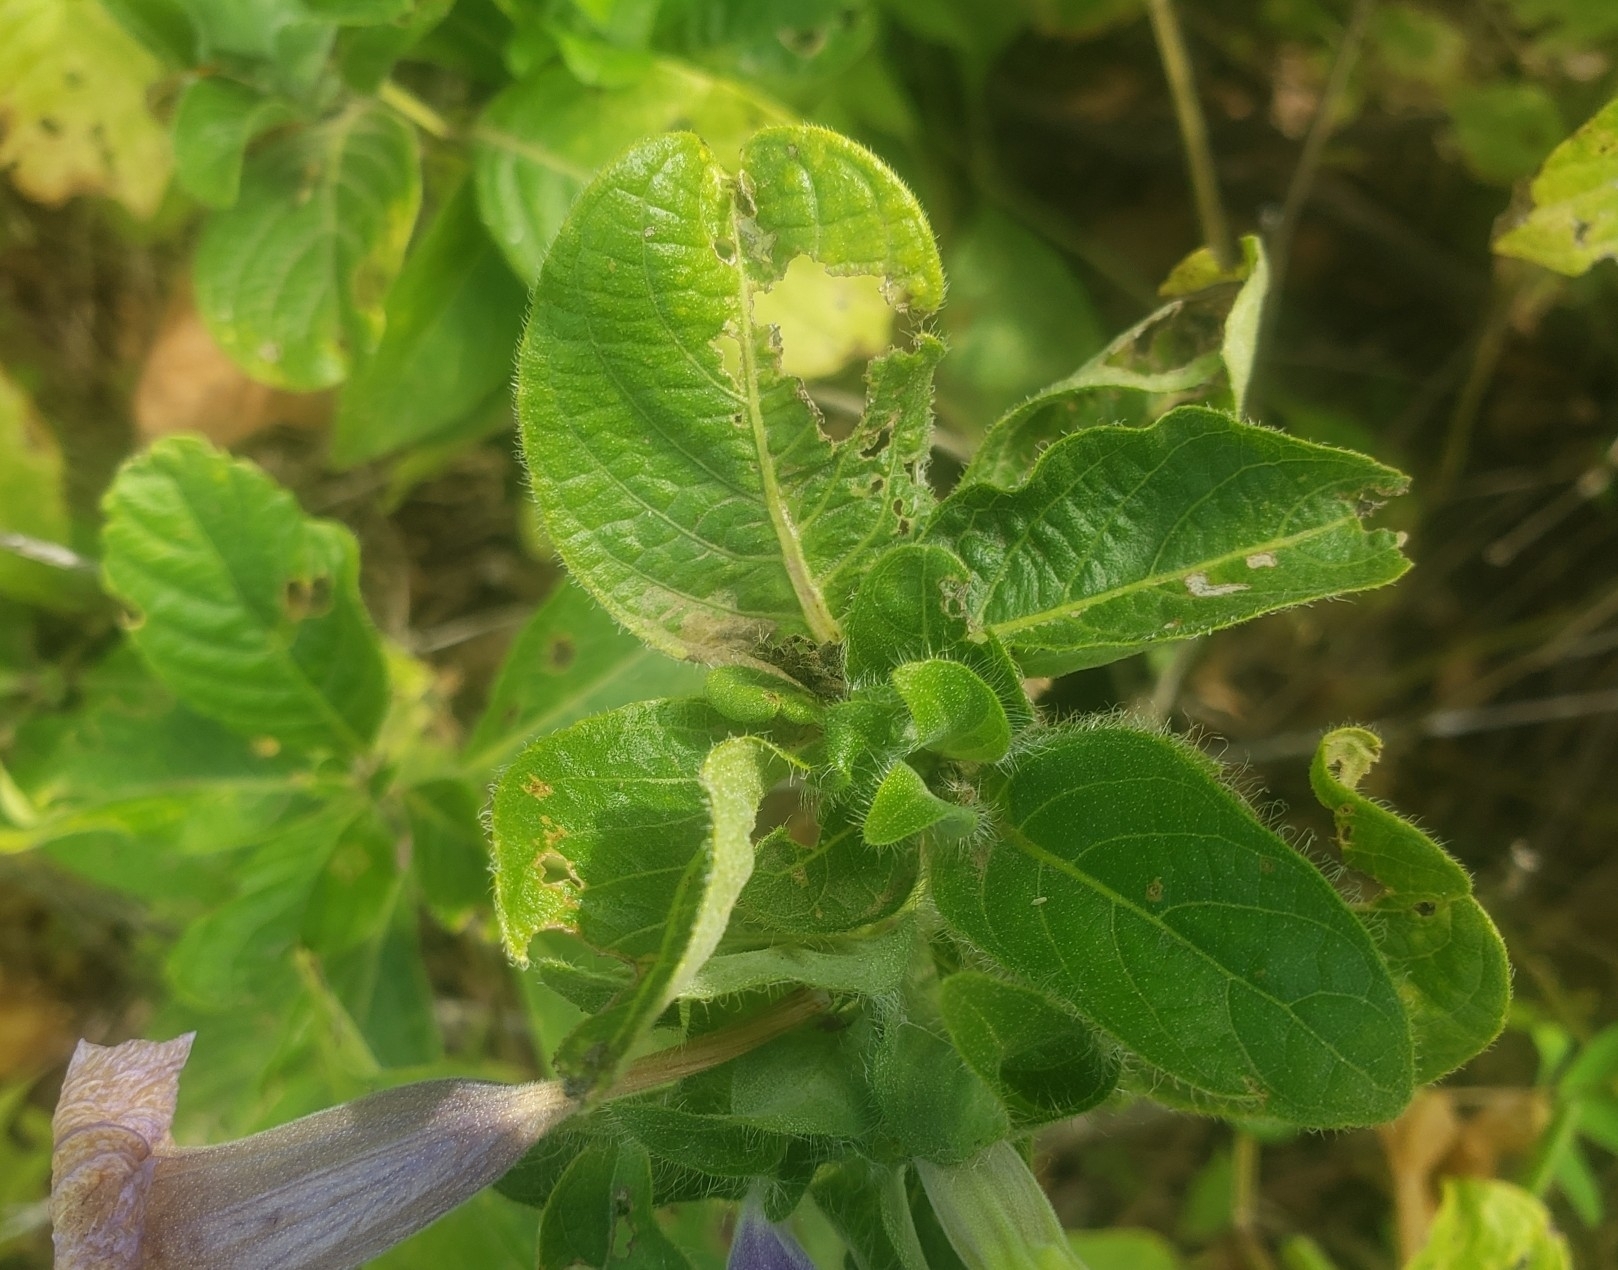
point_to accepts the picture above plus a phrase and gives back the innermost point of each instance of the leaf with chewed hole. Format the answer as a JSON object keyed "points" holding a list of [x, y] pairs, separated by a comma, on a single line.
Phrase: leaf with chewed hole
{"points": [[1128, 883], [684, 478], [1445, 953], [1127, 537], [249, 610]]}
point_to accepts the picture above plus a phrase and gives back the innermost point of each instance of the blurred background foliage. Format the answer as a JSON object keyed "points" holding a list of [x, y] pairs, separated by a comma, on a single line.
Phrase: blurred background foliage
{"points": [[1375, 144]]}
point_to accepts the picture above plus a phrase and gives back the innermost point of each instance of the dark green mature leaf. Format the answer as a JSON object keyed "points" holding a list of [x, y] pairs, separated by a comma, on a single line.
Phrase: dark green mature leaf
{"points": [[543, 138], [452, 321], [600, 1214], [1448, 959], [1574, 219], [1126, 537], [291, 279], [868, 1206], [719, 1145], [571, 660], [682, 476], [246, 608], [1043, 1063], [933, 1106], [213, 124], [1130, 884], [831, 883]]}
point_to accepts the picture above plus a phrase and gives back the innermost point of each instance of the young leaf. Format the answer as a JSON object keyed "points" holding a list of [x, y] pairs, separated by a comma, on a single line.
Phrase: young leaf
{"points": [[904, 807], [867, 1204], [451, 324], [1574, 219], [600, 1214], [246, 608], [1125, 537], [956, 714], [1131, 885], [1445, 953], [291, 279], [1043, 1063], [738, 521], [994, 1212], [543, 138], [213, 124], [1488, 1225], [570, 661], [73, 88]]}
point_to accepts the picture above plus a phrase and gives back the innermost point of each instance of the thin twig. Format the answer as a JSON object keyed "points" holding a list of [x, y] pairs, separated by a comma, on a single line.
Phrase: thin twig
{"points": [[1244, 1187], [1303, 176], [414, 109], [1193, 131]]}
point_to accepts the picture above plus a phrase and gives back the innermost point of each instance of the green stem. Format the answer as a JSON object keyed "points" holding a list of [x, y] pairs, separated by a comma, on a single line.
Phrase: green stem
{"points": [[414, 109], [1193, 131], [1244, 1186]]}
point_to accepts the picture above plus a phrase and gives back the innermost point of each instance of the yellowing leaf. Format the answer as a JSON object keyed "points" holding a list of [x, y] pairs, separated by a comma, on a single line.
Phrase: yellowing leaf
{"points": [[1574, 221], [1489, 1225], [826, 320], [73, 112]]}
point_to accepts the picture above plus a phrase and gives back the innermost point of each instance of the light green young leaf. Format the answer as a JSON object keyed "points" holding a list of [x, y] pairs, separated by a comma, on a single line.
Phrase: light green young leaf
{"points": [[1445, 953], [1123, 1249], [1126, 537], [291, 279], [246, 608], [682, 476], [955, 712], [570, 661], [32, 504], [1573, 221], [213, 124], [995, 1214], [1129, 883], [755, 697], [1483, 1224], [904, 807], [543, 138], [450, 331], [73, 94], [1043, 1063]]}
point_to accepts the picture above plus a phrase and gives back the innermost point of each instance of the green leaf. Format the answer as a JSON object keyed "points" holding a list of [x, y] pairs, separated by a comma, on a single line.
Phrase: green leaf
{"points": [[1126, 537], [870, 965], [600, 1214], [748, 695], [570, 661], [32, 504], [715, 1144], [73, 93], [1131, 885], [1043, 1063], [451, 324], [955, 712], [365, 55], [246, 608], [1489, 1225], [793, 47], [1016, 320], [806, 1083], [543, 138], [737, 521], [291, 279], [1505, 130], [904, 807], [1573, 221], [1445, 954], [447, 851], [278, 41], [868, 1206], [1120, 1249], [213, 125], [933, 1106], [359, 12]]}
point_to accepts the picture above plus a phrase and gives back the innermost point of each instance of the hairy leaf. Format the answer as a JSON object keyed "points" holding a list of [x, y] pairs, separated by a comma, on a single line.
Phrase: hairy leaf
{"points": [[74, 117], [1125, 537], [1042, 1062], [867, 1204], [600, 1214], [871, 965], [571, 660], [543, 138], [451, 322], [213, 124], [1573, 222], [955, 712], [1130, 884], [291, 279], [246, 608], [1445, 953], [682, 476], [933, 1105], [903, 807]]}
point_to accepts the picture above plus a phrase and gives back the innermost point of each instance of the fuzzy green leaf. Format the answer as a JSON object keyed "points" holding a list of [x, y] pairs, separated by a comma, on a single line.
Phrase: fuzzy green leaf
{"points": [[570, 661], [291, 279], [682, 476], [904, 807], [451, 326], [956, 714], [1448, 959], [543, 138], [1130, 884], [600, 1214], [933, 1105], [1574, 219], [1043, 1063], [871, 965], [213, 124], [246, 608], [868, 1206], [1126, 537]]}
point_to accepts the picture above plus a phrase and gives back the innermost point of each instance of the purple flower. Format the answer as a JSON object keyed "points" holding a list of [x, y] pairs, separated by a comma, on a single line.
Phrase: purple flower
{"points": [[760, 1244]]}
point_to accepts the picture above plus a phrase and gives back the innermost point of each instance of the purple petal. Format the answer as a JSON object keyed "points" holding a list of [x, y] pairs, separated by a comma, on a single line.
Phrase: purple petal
{"points": [[762, 1245]]}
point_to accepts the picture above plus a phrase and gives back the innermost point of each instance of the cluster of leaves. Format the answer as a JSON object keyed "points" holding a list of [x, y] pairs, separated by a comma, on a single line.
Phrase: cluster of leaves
{"points": [[1003, 920]]}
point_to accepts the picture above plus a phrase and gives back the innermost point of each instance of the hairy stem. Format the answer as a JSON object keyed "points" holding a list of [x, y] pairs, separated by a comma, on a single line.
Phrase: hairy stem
{"points": [[1193, 131]]}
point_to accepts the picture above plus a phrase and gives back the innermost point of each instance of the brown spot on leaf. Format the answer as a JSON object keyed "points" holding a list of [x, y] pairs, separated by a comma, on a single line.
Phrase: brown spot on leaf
{"points": [[537, 788], [1154, 890], [560, 653]]}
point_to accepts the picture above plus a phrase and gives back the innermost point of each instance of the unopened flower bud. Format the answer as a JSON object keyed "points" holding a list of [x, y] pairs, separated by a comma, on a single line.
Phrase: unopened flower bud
{"points": [[760, 1244], [995, 1214]]}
